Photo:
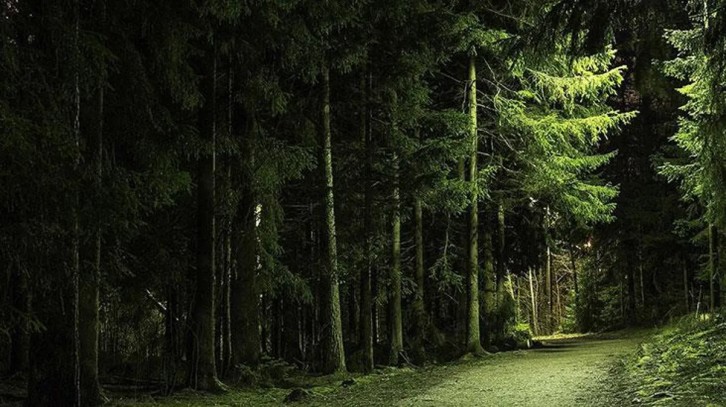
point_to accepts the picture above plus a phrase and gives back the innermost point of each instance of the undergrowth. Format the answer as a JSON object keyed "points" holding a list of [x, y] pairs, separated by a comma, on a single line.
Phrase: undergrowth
{"points": [[684, 365]]}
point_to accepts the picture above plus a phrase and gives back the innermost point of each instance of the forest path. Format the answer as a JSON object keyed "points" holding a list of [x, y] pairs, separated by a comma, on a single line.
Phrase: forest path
{"points": [[565, 372]]}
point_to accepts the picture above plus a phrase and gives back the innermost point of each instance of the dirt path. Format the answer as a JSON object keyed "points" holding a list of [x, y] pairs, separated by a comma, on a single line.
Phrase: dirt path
{"points": [[564, 373], [573, 372]]}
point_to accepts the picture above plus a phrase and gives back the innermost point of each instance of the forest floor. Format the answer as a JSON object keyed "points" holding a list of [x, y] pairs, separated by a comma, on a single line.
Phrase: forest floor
{"points": [[569, 371]]}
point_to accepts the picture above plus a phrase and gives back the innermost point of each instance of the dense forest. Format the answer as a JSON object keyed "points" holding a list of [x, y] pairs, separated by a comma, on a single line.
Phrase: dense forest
{"points": [[190, 190]]}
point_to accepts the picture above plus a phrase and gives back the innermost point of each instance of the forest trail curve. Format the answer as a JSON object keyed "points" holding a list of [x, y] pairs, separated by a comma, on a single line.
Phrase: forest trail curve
{"points": [[566, 372]]}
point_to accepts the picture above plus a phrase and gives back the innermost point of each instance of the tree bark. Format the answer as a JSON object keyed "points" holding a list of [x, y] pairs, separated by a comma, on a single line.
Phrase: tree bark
{"points": [[90, 286], [713, 267], [366, 306], [89, 323], [500, 261], [55, 374], [245, 296], [548, 289], [473, 344], [686, 296], [630, 279], [574, 273], [202, 366], [20, 333], [488, 320], [533, 300], [333, 355], [396, 336], [419, 304]]}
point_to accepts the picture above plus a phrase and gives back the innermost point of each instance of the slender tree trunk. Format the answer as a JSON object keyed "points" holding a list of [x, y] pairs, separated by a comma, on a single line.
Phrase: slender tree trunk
{"points": [[517, 299], [333, 354], [20, 333], [473, 344], [89, 293], [558, 321], [714, 266], [419, 304], [686, 297], [630, 277], [533, 299], [55, 374], [642, 282], [90, 283], [366, 310], [720, 255], [548, 289], [353, 317], [396, 320], [574, 273], [245, 296], [172, 349], [202, 366], [488, 322], [501, 267]]}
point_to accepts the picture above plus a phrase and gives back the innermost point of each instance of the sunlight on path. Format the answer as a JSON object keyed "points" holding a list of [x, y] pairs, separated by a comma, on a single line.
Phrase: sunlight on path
{"points": [[570, 372]]}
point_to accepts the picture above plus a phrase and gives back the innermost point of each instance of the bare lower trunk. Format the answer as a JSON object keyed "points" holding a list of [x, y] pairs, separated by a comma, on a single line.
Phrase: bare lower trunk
{"points": [[419, 304], [533, 298], [366, 294], [245, 295], [396, 319], [473, 344], [202, 366], [333, 356]]}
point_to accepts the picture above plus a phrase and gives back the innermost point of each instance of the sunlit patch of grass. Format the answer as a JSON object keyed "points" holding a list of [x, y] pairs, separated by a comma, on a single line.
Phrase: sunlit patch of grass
{"points": [[558, 336]]}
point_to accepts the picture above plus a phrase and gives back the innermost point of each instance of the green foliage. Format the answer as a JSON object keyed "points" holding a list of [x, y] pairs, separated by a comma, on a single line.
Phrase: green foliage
{"points": [[703, 175], [682, 364], [558, 116]]}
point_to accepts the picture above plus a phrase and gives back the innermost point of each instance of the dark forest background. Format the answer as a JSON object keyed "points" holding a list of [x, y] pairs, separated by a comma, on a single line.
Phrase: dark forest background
{"points": [[189, 190]]}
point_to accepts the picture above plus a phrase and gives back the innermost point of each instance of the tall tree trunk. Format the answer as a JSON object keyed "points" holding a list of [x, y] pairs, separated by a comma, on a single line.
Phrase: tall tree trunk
{"points": [[172, 345], [20, 333], [721, 255], [396, 320], [548, 290], [366, 306], [574, 273], [533, 300], [473, 344], [55, 374], [686, 296], [630, 279], [90, 283], [500, 261], [420, 323], [488, 321], [333, 355], [202, 366], [714, 265], [245, 296], [89, 290], [642, 281]]}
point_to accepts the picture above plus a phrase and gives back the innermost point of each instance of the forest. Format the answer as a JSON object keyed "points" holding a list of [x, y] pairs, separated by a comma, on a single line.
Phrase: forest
{"points": [[210, 198]]}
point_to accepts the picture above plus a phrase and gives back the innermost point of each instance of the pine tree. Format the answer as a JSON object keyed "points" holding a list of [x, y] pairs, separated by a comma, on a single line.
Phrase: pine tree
{"points": [[699, 136]]}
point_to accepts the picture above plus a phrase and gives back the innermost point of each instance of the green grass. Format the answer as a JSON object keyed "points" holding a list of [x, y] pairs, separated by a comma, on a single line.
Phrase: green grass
{"points": [[684, 365]]}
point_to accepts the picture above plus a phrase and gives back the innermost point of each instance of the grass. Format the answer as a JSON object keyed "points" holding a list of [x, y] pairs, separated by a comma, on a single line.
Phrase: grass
{"points": [[684, 365]]}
